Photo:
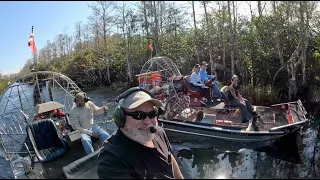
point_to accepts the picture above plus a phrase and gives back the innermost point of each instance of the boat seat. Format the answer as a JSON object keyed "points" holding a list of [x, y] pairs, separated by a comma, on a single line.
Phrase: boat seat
{"points": [[45, 141], [191, 92], [83, 168]]}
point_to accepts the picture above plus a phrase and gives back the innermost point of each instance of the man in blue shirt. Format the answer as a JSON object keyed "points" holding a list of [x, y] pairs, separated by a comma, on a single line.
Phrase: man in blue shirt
{"points": [[215, 85]]}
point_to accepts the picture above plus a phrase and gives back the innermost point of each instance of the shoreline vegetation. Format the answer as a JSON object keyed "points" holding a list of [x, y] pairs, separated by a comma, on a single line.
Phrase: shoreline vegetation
{"points": [[275, 52], [3, 84]]}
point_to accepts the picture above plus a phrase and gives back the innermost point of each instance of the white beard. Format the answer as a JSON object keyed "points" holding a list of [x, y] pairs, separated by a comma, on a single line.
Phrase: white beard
{"points": [[138, 135]]}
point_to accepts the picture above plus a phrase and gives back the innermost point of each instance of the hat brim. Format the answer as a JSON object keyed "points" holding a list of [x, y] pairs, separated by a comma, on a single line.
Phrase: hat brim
{"points": [[155, 102]]}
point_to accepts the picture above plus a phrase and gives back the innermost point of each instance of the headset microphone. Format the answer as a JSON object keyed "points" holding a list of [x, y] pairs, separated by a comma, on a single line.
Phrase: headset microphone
{"points": [[153, 129]]}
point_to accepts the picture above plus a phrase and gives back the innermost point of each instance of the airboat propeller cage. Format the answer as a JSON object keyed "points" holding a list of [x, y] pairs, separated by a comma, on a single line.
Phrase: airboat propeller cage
{"points": [[28, 95], [157, 70], [161, 76]]}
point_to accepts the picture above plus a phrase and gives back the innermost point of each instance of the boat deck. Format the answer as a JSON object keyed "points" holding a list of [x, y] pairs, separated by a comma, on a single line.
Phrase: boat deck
{"points": [[53, 169], [226, 116]]}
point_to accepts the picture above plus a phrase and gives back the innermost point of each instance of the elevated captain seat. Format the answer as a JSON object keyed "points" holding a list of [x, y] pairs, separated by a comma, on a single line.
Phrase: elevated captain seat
{"points": [[195, 96], [44, 138]]}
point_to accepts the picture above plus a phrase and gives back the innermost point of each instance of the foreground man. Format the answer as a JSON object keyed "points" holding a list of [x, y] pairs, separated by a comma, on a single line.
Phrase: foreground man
{"points": [[81, 118], [139, 149]]}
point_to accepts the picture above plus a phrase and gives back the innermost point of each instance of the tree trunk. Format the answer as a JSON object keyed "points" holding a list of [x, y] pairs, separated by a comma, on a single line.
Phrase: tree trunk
{"points": [[277, 35], [105, 52], [157, 45], [126, 43], [259, 8], [195, 32], [232, 40], [224, 40], [304, 25], [145, 19], [213, 69]]}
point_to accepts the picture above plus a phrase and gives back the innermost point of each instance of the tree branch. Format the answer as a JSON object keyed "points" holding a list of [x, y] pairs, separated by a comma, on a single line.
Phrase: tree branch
{"points": [[293, 56]]}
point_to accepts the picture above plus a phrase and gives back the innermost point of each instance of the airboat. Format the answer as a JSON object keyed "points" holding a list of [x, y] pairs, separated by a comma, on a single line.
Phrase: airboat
{"points": [[39, 142], [188, 122], [36, 137]]}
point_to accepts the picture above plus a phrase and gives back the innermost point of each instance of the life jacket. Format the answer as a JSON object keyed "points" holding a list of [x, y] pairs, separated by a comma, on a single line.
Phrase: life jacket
{"points": [[59, 114]]}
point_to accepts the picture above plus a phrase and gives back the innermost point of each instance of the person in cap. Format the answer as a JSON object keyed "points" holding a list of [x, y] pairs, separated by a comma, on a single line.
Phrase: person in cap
{"points": [[196, 83], [237, 100], [212, 82], [139, 149], [81, 118]]}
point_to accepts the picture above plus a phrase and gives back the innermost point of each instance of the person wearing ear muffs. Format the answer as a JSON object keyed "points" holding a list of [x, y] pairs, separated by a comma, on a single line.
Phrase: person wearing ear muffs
{"points": [[139, 149], [81, 118]]}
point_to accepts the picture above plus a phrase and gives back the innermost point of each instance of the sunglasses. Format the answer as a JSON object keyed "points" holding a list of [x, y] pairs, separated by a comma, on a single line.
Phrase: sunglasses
{"points": [[140, 115]]}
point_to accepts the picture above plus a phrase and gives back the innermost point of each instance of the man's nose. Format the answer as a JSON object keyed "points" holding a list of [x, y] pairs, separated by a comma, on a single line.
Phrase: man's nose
{"points": [[147, 121]]}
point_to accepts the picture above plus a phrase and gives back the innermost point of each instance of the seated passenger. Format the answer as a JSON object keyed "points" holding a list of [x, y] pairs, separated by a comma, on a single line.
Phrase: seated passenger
{"points": [[81, 118], [208, 79], [237, 100], [195, 82]]}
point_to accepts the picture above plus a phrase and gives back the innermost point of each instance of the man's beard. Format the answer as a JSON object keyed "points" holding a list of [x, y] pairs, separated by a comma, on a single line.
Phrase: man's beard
{"points": [[140, 136], [80, 104]]}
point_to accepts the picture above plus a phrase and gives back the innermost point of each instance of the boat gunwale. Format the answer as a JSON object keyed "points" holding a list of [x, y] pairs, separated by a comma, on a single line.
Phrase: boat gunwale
{"points": [[221, 129], [272, 136]]}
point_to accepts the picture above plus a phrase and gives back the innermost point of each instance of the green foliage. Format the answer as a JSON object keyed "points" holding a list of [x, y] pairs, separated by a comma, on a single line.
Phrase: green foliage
{"points": [[256, 52], [3, 84]]}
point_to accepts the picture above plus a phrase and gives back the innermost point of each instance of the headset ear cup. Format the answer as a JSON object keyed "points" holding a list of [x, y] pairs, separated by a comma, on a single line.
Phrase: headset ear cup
{"points": [[161, 111], [119, 117], [123, 117], [86, 99]]}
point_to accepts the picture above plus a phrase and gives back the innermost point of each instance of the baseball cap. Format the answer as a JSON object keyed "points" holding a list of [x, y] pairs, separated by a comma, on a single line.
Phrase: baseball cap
{"points": [[204, 63], [136, 99]]}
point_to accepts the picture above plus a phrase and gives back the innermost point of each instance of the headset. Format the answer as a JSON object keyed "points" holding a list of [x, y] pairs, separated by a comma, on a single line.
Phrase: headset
{"points": [[119, 114], [86, 98]]}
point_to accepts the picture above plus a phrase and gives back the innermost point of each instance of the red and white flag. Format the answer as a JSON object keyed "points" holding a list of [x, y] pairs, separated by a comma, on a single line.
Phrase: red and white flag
{"points": [[31, 42], [151, 46]]}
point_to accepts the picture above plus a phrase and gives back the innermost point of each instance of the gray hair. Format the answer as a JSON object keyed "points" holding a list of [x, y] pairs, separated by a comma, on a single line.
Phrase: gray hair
{"points": [[234, 76]]}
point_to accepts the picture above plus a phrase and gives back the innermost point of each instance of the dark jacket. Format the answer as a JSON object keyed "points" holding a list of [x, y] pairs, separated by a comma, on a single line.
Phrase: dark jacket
{"points": [[122, 158]]}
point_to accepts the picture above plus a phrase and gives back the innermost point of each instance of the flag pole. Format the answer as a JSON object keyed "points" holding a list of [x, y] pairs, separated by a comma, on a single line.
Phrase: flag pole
{"points": [[34, 54], [41, 100]]}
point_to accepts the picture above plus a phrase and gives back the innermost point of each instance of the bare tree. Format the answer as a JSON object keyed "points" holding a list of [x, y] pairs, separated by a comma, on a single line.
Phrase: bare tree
{"points": [[78, 37], [102, 14], [195, 32], [231, 38], [156, 31], [208, 28], [126, 30]]}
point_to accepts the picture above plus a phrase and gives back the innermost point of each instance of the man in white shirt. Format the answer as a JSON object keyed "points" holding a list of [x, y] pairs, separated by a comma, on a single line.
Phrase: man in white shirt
{"points": [[195, 82], [81, 118]]}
